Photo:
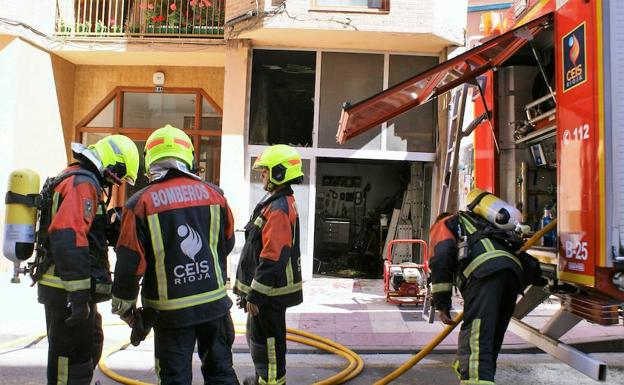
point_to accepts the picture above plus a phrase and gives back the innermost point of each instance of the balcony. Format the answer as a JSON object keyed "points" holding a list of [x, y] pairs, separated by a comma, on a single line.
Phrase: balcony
{"points": [[120, 19], [425, 26]]}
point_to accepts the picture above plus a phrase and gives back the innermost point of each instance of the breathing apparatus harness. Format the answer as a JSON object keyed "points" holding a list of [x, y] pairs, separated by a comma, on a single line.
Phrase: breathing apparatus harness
{"points": [[510, 240], [44, 202]]}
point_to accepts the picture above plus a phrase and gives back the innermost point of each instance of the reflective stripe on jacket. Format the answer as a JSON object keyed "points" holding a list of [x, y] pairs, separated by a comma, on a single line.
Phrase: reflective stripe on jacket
{"points": [[78, 245], [453, 262], [176, 235], [270, 264]]}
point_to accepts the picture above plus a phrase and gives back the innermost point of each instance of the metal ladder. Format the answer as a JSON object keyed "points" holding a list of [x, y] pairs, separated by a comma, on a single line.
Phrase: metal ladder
{"points": [[455, 135], [449, 182]]}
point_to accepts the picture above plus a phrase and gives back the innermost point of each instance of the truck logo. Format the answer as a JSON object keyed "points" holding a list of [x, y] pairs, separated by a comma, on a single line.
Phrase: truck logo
{"points": [[574, 64]]}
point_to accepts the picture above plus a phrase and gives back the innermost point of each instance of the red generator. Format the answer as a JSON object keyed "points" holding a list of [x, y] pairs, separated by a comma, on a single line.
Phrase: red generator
{"points": [[406, 283]]}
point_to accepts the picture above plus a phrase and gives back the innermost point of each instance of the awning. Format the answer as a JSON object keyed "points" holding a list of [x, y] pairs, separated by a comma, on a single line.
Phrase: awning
{"points": [[356, 119]]}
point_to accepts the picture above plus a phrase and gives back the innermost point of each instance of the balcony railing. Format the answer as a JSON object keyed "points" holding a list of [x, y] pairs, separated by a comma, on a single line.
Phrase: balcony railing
{"points": [[140, 18]]}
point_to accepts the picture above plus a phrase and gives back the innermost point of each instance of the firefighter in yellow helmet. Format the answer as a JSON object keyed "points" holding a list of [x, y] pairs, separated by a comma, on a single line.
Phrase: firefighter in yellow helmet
{"points": [[268, 279], [476, 250], [175, 236], [75, 273]]}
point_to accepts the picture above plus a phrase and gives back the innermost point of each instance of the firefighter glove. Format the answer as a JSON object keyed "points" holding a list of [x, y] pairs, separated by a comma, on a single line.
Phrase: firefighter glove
{"points": [[79, 313], [122, 306], [241, 302], [143, 321]]}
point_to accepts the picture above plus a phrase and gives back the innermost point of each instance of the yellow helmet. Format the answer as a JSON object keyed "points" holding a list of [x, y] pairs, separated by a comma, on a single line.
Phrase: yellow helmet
{"points": [[283, 163], [169, 142], [119, 155]]}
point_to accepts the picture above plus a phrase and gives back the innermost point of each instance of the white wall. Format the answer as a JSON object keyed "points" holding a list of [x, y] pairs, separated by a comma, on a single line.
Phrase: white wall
{"points": [[39, 14], [449, 19], [31, 134], [444, 17]]}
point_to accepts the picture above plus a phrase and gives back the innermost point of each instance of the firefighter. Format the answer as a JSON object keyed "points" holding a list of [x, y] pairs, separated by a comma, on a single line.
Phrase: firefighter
{"points": [[76, 271], [471, 253], [175, 236], [268, 279]]}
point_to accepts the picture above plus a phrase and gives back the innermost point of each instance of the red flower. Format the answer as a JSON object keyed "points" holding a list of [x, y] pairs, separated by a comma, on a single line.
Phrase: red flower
{"points": [[112, 21], [207, 3], [158, 19], [173, 7], [143, 5], [192, 3], [150, 6]]}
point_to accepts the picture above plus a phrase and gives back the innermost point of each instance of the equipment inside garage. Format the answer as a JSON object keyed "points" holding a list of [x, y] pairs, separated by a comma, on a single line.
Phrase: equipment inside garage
{"points": [[358, 203]]}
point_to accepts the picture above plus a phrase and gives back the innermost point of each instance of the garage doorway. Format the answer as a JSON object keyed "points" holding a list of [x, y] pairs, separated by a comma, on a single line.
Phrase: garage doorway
{"points": [[355, 200]]}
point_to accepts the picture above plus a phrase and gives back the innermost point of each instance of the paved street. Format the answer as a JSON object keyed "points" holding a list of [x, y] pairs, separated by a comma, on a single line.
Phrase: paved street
{"points": [[352, 312], [27, 367]]}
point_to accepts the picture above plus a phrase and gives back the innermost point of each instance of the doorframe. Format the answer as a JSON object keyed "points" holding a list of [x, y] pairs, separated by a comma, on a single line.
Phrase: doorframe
{"points": [[141, 134]]}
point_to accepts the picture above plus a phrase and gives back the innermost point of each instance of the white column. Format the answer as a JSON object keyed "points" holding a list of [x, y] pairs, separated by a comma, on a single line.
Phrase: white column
{"points": [[234, 139]]}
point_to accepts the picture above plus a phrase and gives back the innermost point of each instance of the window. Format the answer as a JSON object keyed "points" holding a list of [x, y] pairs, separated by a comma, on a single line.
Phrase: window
{"points": [[352, 5], [348, 77], [414, 129], [106, 117], [282, 97], [152, 110]]}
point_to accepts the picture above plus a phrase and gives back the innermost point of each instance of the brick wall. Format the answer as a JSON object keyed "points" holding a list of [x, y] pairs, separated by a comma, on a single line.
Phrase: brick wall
{"points": [[93, 83]]}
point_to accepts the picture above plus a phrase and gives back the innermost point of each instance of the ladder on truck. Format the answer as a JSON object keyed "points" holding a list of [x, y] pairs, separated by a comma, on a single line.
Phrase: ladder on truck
{"points": [[456, 133], [406, 221]]}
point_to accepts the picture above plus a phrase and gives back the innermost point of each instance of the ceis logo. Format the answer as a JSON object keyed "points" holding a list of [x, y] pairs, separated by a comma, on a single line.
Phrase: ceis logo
{"points": [[574, 63], [190, 245]]}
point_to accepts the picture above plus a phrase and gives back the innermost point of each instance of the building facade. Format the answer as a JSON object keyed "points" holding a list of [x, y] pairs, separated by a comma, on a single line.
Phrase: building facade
{"points": [[239, 75]]}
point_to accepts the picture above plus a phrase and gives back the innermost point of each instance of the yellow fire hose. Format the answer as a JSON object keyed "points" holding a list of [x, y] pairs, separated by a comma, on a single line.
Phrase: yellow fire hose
{"points": [[449, 328], [354, 367]]}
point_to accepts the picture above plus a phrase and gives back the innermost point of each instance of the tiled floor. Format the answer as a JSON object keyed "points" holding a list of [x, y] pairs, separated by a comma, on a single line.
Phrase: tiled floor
{"points": [[355, 313]]}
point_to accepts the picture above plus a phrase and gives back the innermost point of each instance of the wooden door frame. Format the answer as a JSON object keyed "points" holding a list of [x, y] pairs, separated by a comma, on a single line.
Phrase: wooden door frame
{"points": [[196, 133]]}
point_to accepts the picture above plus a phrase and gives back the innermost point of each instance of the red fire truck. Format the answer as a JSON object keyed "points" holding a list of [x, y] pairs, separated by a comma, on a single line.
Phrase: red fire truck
{"points": [[548, 136]]}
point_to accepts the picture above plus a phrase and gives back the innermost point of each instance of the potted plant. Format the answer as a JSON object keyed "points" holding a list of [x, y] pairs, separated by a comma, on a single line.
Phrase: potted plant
{"points": [[153, 19], [64, 28], [83, 27], [100, 27], [209, 16]]}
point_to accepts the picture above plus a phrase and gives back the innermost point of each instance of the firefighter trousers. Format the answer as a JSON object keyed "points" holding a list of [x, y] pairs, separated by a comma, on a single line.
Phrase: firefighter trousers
{"points": [[173, 351], [489, 303], [73, 351], [266, 337]]}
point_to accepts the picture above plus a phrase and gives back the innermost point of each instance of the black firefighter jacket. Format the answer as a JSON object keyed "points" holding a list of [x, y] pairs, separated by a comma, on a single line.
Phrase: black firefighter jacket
{"points": [[176, 234], [77, 236], [453, 264], [269, 270]]}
